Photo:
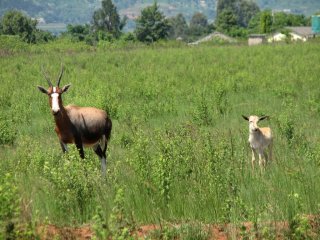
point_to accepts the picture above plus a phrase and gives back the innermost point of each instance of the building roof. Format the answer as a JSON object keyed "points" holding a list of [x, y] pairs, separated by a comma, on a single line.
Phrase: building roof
{"points": [[302, 31], [212, 36]]}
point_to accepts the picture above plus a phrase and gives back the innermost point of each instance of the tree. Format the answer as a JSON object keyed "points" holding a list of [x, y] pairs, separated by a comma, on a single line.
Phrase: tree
{"points": [[78, 32], [226, 20], [16, 23], [198, 25], [225, 4], [243, 10], [152, 25], [281, 19], [178, 26], [266, 22], [247, 10], [254, 23], [107, 19]]}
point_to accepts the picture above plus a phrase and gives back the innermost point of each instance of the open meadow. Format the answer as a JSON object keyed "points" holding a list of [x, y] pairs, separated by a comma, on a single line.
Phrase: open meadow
{"points": [[179, 150]]}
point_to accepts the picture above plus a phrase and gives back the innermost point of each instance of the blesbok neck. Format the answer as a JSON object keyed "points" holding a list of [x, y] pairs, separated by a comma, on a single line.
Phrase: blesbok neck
{"points": [[62, 117], [255, 132]]}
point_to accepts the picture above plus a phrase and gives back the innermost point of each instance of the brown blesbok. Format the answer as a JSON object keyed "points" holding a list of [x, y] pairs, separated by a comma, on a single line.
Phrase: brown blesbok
{"points": [[83, 126]]}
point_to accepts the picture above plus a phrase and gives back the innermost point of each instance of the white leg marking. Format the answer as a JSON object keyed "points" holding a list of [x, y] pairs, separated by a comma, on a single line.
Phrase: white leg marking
{"points": [[103, 166], [253, 159], [65, 146]]}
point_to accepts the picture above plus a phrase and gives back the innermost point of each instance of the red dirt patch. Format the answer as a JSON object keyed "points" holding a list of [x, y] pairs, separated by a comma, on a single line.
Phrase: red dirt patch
{"points": [[245, 230], [48, 232]]}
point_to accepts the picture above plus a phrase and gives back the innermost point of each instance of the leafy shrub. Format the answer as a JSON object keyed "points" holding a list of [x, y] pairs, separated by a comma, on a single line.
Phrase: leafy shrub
{"points": [[203, 114], [7, 132], [9, 206], [286, 127], [221, 99], [299, 226], [100, 224], [120, 224], [12, 43], [72, 180], [187, 231]]}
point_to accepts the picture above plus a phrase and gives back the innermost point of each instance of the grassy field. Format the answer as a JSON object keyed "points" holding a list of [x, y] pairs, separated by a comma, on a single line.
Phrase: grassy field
{"points": [[178, 152]]}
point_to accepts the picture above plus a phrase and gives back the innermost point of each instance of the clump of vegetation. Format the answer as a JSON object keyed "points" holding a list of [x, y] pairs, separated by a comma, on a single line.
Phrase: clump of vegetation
{"points": [[7, 131], [9, 207], [16, 23], [178, 151]]}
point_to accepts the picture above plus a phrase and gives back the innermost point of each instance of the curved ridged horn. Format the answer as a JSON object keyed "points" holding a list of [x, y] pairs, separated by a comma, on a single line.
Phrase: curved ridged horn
{"points": [[60, 76], [45, 76]]}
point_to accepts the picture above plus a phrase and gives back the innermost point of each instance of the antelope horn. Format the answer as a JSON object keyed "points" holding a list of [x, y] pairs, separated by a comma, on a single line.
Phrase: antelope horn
{"points": [[60, 76], [45, 76]]}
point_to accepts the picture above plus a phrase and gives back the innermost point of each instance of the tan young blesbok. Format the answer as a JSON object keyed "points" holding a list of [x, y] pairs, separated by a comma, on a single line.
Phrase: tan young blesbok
{"points": [[259, 140], [83, 126]]}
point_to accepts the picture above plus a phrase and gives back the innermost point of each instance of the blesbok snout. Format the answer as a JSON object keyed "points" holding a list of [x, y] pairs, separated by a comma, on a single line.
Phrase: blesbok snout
{"points": [[253, 126]]}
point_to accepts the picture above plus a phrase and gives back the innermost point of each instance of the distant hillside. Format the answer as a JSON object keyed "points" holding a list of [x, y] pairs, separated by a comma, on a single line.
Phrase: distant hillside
{"points": [[306, 7], [80, 11]]}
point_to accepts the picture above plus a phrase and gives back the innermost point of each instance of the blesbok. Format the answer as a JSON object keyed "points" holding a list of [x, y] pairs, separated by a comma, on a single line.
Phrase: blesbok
{"points": [[259, 139], [83, 126]]}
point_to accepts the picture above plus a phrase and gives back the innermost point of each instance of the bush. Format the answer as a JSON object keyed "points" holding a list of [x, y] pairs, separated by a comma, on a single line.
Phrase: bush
{"points": [[12, 43], [7, 133], [9, 206]]}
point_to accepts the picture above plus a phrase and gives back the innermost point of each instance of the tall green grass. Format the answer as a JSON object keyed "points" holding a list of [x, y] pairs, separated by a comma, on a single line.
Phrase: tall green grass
{"points": [[179, 148]]}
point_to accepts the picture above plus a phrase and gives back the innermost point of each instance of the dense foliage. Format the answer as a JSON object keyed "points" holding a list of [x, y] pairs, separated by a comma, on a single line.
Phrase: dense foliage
{"points": [[178, 27], [268, 21], [107, 19], [16, 23], [233, 16], [152, 25], [80, 11], [243, 10], [179, 149]]}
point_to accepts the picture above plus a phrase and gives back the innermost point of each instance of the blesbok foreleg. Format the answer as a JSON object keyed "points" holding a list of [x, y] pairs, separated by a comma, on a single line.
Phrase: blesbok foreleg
{"points": [[262, 160], [63, 147], [102, 156], [253, 158]]}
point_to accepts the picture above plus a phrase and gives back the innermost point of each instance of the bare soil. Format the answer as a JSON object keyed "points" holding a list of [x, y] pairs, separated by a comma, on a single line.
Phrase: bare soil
{"points": [[247, 230]]}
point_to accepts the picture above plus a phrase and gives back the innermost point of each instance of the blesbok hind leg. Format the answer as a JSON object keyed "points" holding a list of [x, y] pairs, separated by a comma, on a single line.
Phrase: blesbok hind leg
{"points": [[80, 148], [262, 160], [270, 152]]}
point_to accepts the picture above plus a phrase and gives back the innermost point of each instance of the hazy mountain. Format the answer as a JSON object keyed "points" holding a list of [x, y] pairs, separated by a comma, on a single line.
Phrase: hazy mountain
{"points": [[80, 11]]}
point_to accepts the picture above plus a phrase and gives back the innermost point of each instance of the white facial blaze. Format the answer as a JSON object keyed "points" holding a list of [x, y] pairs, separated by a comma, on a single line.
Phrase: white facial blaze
{"points": [[253, 120], [55, 101]]}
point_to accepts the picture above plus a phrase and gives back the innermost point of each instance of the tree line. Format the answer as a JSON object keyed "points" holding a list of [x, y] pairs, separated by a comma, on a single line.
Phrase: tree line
{"points": [[236, 18]]}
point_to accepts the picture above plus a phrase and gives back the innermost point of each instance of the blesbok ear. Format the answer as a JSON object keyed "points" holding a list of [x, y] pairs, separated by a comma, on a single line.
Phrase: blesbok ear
{"points": [[65, 88], [263, 117], [245, 118], [42, 89]]}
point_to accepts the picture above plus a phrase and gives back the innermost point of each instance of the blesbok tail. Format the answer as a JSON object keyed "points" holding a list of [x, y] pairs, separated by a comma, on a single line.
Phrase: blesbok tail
{"points": [[107, 134], [108, 128]]}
